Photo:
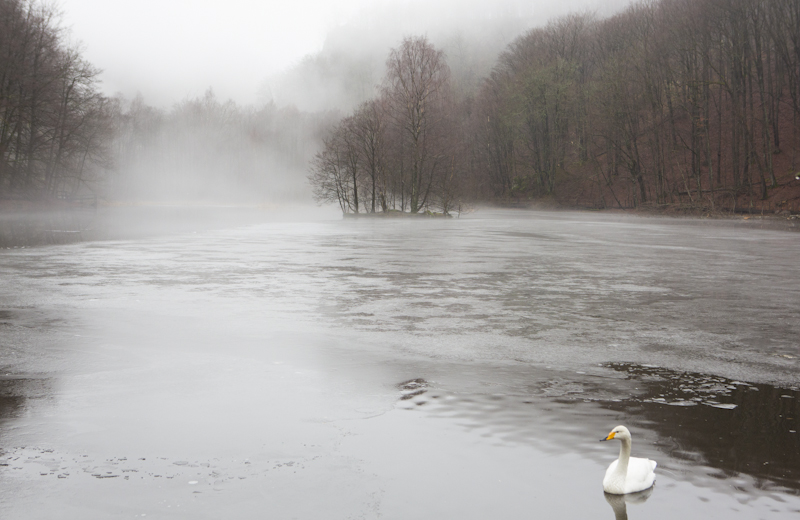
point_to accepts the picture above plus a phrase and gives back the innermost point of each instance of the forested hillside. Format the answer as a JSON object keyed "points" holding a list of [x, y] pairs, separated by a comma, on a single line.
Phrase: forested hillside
{"points": [[674, 101], [671, 103]]}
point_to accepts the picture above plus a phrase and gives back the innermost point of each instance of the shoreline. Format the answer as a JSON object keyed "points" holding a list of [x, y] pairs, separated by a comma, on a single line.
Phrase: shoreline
{"points": [[784, 220], [397, 214]]}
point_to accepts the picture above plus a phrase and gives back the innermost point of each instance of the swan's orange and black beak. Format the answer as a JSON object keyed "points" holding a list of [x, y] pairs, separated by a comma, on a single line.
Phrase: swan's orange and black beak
{"points": [[610, 436]]}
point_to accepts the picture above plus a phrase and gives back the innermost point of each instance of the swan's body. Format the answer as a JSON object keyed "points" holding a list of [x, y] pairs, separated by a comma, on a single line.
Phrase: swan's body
{"points": [[627, 474]]}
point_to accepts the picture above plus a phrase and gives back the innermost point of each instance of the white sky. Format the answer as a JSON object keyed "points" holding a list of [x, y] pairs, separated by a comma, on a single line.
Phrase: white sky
{"points": [[172, 49]]}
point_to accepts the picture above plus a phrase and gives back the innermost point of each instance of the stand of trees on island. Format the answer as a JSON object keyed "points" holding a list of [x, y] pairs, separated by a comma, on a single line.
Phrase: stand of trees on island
{"points": [[403, 150], [667, 103], [693, 102]]}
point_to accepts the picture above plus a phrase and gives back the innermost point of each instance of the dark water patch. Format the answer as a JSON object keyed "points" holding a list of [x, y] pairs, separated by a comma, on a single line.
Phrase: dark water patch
{"points": [[518, 417], [521, 234], [711, 428], [45, 228], [29, 318], [15, 392], [733, 426], [9, 404], [28, 229]]}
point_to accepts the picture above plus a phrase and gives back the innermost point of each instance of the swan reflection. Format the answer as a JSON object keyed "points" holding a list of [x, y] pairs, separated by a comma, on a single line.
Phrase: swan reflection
{"points": [[619, 502]]}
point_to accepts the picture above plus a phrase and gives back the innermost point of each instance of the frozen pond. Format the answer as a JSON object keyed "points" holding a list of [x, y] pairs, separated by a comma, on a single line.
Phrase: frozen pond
{"points": [[464, 368]]}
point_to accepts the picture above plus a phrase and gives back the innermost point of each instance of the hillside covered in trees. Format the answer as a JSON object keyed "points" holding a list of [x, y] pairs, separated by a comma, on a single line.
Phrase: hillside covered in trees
{"points": [[690, 103]]}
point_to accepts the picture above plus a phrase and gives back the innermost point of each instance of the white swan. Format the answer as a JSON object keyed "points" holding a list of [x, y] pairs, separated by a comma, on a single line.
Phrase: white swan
{"points": [[627, 474]]}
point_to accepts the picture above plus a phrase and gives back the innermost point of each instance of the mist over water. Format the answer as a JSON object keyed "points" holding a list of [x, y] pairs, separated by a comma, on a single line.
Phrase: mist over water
{"points": [[298, 365]]}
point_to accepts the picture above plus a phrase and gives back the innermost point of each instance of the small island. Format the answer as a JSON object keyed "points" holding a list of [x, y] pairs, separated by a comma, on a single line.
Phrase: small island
{"points": [[395, 213]]}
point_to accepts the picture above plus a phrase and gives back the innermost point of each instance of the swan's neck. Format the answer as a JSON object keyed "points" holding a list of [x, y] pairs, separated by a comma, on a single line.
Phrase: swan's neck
{"points": [[624, 456]]}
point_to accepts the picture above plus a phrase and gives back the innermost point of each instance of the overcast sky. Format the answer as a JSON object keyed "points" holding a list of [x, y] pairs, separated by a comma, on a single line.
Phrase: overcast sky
{"points": [[172, 49]]}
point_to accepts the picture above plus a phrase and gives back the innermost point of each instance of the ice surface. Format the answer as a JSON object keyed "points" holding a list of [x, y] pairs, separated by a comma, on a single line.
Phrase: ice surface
{"points": [[396, 369]]}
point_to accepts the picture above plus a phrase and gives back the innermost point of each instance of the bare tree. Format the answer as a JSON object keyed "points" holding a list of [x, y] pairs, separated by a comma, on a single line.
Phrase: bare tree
{"points": [[369, 129], [417, 91], [329, 178]]}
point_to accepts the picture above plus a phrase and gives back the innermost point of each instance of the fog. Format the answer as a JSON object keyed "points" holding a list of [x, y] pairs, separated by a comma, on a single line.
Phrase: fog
{"points": [[230, 102], [206, 150], [178, 49], [349, 67]]}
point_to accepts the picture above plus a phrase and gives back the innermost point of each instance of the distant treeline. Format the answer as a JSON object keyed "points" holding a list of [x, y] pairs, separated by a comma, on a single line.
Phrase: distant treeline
{"points": [[671, 101], [53, 122]]}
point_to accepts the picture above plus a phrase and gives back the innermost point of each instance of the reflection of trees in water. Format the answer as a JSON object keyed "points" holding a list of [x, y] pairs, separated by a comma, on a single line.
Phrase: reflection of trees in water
{"points": [[730, 425]]}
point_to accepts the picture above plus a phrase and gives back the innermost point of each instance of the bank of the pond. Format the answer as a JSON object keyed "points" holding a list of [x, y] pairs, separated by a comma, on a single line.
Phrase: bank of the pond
{"points": [[752, 217], [398, 214], [36, 223]]}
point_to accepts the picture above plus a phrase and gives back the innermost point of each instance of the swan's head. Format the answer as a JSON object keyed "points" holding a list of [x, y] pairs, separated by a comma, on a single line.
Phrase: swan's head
{"points": [[620, 433]]}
